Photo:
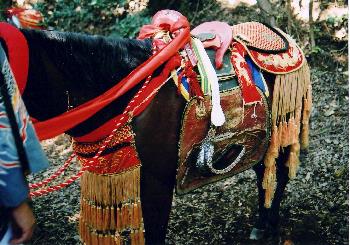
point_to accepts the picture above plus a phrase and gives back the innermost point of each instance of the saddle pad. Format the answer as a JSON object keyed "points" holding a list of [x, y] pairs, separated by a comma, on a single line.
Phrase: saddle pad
{"points": [[240, 130], [271, 49], [281, 63], [259, 37], [226, 74]]}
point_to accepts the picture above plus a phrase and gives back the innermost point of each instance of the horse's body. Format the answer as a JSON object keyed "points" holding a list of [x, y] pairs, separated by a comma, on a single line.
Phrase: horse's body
{"points": [[66, 70]]}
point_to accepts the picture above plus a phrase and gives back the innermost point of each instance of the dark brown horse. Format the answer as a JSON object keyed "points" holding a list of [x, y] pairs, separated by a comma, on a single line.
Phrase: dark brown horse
{"points": [[67, 69]]}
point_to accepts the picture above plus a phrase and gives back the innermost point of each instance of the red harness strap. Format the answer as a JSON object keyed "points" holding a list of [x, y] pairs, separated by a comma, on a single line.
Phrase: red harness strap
{"points": [[58, 125], [18, 53], [250, 93], [137, 105], [19, 61]]}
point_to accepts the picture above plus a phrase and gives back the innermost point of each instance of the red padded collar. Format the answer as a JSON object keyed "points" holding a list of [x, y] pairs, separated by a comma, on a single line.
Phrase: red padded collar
{"points": [[18, 53]]}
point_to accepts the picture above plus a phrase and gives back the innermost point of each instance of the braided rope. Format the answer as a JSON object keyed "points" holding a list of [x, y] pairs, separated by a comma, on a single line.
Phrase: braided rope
{"points": [[128, 113], [91, 163], [54, 175]]}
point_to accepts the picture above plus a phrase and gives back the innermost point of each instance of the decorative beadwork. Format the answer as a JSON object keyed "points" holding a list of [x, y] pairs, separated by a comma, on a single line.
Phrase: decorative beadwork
{"points": [[123, 134]]}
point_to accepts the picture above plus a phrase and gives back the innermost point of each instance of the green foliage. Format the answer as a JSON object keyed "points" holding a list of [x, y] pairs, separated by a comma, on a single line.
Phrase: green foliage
{"points": [[92, 16], [4, 4], [130, 25], [104, 17], [316, 50], [337, 21]]}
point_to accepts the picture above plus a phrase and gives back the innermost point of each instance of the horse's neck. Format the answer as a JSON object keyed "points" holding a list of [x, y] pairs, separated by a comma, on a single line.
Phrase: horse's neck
{"points": [[67, 69]]}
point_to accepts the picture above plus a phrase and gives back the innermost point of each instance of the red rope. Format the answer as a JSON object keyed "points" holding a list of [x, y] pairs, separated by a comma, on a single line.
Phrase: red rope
{"points": [[88, 166], [91, 163], [54, 175], [135, 106]]}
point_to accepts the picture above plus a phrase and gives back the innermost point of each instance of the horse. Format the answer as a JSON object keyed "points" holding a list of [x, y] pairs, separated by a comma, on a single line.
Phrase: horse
{"points": [[67, 70]]}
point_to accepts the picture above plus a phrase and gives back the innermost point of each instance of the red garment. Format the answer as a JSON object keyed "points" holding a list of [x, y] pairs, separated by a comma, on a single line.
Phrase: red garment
{"points": [[18, 54], [27, 18]]}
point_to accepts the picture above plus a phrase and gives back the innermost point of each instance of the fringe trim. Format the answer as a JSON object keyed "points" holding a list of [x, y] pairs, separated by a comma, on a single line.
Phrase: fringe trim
{"points": [[305, 119], [269, 180], [111, 210], [291, 109], [293, 160], [111, 189], [93, 237]]}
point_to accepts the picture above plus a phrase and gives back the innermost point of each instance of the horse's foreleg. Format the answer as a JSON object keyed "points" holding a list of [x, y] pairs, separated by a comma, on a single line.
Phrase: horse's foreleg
{"points": [[268, 218], [156, 197], [157, 135]]}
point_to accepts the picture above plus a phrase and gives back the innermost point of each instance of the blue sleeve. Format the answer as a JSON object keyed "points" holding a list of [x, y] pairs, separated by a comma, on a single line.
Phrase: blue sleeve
{"points": [[13, 187]]}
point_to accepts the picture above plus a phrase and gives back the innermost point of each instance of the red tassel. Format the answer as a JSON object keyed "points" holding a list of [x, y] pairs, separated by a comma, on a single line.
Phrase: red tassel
{"points": [[195, 89]]}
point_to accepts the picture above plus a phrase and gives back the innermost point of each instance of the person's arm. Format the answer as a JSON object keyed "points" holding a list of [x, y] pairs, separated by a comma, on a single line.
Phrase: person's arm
{"points": [[14, 197]]}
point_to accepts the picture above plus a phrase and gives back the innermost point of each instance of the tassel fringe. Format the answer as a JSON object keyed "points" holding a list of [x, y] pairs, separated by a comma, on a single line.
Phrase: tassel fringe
{"points": [[293, 160], [111, 189], [291, 109], [305, 119], [111, 210]]}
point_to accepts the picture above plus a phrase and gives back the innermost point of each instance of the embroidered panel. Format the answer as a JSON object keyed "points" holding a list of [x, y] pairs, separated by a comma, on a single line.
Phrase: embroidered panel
{"points": [[245, 128], [259, 37]]}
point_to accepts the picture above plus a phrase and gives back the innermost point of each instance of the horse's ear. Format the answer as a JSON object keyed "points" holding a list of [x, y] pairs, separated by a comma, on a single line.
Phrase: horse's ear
{"points": [[18, 53]]}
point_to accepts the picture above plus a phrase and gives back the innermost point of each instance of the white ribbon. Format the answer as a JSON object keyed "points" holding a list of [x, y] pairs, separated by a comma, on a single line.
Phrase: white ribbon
{"points": [[217, 115]]}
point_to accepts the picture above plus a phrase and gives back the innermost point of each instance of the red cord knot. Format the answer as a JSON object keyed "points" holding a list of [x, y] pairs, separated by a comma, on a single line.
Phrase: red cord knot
{"points": [[191, 75]]}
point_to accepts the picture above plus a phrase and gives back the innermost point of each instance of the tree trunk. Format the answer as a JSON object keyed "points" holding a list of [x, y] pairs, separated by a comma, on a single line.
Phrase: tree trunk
{"points": [[266, 7], [290, 16], [311, 25]]}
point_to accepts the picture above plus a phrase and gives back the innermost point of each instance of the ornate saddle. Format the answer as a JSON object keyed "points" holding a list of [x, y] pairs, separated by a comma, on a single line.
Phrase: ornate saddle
{"points": [[270, 48], [208, 154], [233, 147]]}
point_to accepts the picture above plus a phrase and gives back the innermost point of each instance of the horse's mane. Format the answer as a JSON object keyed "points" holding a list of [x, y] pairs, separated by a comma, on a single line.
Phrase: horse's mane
{"points": [[77, 67], [89, 58]]}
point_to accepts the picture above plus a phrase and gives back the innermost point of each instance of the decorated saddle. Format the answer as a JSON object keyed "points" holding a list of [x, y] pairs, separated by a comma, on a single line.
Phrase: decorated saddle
{"points": [[270, 48], [208, 153]]}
